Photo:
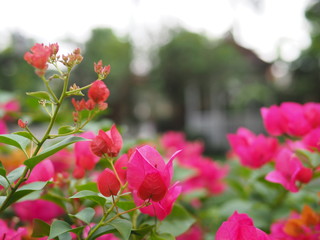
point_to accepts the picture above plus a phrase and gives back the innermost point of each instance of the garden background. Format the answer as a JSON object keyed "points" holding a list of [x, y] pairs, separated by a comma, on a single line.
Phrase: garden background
{"points": [[183, 78]]}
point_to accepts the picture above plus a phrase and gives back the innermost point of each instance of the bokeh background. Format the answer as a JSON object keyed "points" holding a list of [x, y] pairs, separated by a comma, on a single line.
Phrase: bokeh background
{"points": [[204, 67]]}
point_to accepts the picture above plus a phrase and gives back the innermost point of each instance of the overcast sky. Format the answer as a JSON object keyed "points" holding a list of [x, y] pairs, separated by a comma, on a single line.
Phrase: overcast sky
{"points": [[275, 26]]}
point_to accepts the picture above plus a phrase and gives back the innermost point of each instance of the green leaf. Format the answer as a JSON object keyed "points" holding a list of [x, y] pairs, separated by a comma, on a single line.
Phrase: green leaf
{"points": [[56, 197], [161, 236], [40, 95], [85, 215], [123, 226], [24, 134], [2, 199], [126, 205], [177, 222], [3, 171], [309, 159], [15, 174], [65, 129], [93, 196], [65, 236], [101, 231], [34, 186], [59, 227], [92, 186], [24, 191], [84, 193], [313, 186], [40, 228], [15, 140], [142, 230], [31, 162], [4, 182]]}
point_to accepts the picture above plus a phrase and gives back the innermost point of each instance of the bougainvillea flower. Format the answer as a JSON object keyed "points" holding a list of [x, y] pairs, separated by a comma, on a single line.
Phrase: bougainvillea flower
{"points": [[38, 57], [253, 151], [289, 170], [312, 140], [98, 92], [148, 174], [3, 127], [121, 166], [289, 118], [85, 158], [173, 141], [304, 226], [149, 179], [190, 153], [209, 175], [312, 113], [63, 160], [108, 183], [43, 171], [109, 143], [160, 209], [8, 233], [273, 120], [194, 233], [240, 227], [41, 209]]}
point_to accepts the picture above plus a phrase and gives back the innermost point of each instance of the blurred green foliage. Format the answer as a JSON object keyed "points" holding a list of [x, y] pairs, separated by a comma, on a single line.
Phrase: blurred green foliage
{"points": [[224, 75]]}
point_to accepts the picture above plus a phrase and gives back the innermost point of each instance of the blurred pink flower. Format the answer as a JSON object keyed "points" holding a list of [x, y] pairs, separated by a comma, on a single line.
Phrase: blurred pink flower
{"points": [[63, 161], [8, 233], [190, 153], [240, 227], [312, 140], [43, 171], [3, 127], [193, 233], [312, 113], [209, 175], [288, 118], [173, 141], [253, 150], [289, 170], [41, 209], [85, 158]]}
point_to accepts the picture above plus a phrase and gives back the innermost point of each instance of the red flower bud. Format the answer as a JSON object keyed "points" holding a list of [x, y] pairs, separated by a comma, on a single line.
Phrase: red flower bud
{"points": [[22, 124], [108, 184], [98, 92]]}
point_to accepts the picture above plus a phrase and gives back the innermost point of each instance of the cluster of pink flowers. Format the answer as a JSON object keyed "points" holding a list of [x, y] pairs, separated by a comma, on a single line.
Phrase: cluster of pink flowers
{"points": [[301, 123], [208, 174]]}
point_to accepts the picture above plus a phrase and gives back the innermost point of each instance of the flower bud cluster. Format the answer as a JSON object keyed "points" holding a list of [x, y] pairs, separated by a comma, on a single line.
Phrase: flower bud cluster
{"points": [[102, 71]]}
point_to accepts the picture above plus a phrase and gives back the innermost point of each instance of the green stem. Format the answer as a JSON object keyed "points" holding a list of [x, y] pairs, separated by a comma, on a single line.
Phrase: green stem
{"points": [[102, 223], [46, 82], [78, 89], [40, 143], [32, 135]]}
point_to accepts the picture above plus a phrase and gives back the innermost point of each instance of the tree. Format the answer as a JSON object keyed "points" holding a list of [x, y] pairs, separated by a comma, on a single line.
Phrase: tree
{"points": [[226, 75], [117, 52]]}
